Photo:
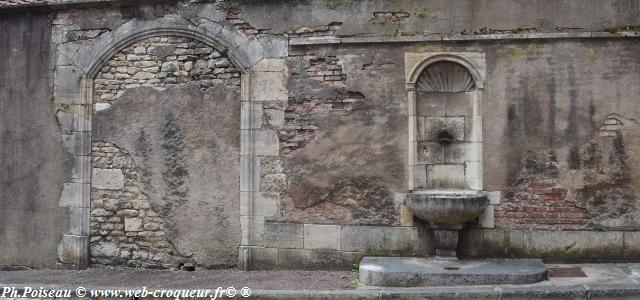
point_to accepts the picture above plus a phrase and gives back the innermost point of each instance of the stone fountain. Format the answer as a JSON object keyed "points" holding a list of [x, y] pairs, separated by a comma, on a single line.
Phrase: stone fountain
{"points": [[446, 210], [444, 101]]}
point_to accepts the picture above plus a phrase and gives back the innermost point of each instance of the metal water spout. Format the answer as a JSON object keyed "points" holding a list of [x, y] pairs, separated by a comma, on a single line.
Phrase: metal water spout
{"points": [[445, 136]]}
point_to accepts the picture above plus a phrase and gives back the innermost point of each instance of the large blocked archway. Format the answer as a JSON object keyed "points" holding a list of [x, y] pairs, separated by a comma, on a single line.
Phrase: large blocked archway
{"points": [[165, 142], [165, 156]]}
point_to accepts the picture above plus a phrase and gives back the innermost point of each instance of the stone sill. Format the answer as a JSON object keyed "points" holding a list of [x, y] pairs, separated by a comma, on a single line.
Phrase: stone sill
{"points": [[303, 41]]}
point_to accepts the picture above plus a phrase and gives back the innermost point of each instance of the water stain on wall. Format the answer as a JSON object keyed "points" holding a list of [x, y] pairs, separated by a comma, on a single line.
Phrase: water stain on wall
{"points": [[598, 189]]}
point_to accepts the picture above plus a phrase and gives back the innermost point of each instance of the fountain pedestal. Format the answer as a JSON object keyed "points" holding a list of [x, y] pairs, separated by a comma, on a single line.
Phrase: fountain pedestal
{"points": [[446, 211], [446, 243]]}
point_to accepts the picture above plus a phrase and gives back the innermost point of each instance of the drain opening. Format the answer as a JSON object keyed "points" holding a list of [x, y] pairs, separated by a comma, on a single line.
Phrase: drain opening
{"points": [[451, 268]]}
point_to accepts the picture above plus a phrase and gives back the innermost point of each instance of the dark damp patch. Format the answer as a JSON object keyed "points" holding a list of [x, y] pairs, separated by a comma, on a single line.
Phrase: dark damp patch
{"points": [[551, 122], [572, 128], [143, 149], [175, 170]]}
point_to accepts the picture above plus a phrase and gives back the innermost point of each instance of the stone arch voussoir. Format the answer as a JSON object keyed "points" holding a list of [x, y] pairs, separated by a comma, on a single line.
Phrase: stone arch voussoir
{"points": [[243, 51]]}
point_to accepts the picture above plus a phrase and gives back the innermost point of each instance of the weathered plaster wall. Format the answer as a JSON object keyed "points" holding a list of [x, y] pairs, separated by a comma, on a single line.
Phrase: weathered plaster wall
{"points": [[545, 104], [343, 140], [33, 163], [409, 17], [544, 111]]}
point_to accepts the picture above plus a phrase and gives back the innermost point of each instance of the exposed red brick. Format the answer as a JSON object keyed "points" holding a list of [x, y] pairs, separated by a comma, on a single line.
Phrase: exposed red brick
{"points": [[540, 205], [538, 185], [554, 196]]}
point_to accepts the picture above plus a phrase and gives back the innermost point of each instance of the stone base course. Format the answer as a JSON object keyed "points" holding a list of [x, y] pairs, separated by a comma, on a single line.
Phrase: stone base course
{"points": [[287, 246]]}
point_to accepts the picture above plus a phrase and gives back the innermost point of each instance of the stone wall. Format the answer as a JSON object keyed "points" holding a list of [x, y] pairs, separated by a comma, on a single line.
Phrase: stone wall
{"points": [[302, 159], [552, 245]]}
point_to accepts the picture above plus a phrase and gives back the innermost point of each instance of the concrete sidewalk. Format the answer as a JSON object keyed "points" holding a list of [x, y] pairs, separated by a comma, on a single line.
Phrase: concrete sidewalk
{"points": [[603, 281]]}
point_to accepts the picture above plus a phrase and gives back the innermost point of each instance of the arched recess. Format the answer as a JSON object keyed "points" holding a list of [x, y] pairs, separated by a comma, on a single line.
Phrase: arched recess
{"points": [[75, 91], [416, 63], [425, 164]]}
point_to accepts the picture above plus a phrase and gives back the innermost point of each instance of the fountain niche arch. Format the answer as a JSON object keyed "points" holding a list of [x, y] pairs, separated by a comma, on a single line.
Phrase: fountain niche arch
{"points": [[445, 97]]}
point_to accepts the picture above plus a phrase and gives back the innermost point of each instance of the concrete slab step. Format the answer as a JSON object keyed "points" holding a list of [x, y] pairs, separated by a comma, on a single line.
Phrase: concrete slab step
{"points": [[419, 271]]}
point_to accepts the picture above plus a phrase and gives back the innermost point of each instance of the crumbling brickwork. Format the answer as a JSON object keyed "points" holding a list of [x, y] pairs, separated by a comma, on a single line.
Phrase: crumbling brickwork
{"points": [[162, 62], [233, 16], [539, 200], [320, 30], [392, 17], [300, 124], [125, 230], [541, 205], [325, 68]]}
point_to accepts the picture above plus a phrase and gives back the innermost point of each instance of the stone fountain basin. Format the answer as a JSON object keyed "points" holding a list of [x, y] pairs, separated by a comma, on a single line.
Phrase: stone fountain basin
{"points": [[447, 206]]}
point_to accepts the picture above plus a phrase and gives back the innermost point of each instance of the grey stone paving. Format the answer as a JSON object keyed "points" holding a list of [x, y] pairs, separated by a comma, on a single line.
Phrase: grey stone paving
{"points": [[603, 281]]}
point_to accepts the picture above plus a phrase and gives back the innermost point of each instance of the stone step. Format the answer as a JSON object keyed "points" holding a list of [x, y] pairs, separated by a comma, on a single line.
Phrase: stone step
{"points": [[418, 271]]}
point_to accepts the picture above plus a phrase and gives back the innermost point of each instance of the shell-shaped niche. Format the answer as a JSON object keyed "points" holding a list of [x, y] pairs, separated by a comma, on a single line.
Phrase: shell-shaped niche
{"points": [[445, 77]]}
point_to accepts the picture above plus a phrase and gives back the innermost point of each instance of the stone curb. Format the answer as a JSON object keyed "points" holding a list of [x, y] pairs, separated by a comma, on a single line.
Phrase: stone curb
{"points": [[577, 292], [506, 292]]}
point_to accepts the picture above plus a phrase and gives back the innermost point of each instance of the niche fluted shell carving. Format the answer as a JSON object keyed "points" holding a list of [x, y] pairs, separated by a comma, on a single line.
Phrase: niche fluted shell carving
{"points": [[445, 77]]}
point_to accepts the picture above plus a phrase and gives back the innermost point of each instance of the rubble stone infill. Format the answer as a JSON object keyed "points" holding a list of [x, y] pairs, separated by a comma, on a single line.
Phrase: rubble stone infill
{"points": [[125, 230], [162, 62]]}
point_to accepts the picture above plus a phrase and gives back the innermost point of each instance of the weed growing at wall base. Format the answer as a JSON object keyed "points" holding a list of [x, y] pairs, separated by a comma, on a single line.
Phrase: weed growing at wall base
{"points": [[334, 4]]}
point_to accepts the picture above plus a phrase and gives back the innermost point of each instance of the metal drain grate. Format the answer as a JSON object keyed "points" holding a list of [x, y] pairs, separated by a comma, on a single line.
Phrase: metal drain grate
{"points": [[566, 272]]}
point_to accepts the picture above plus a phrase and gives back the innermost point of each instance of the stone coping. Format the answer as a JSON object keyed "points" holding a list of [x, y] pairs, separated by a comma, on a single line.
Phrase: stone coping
{"points": [[303, 41]]}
